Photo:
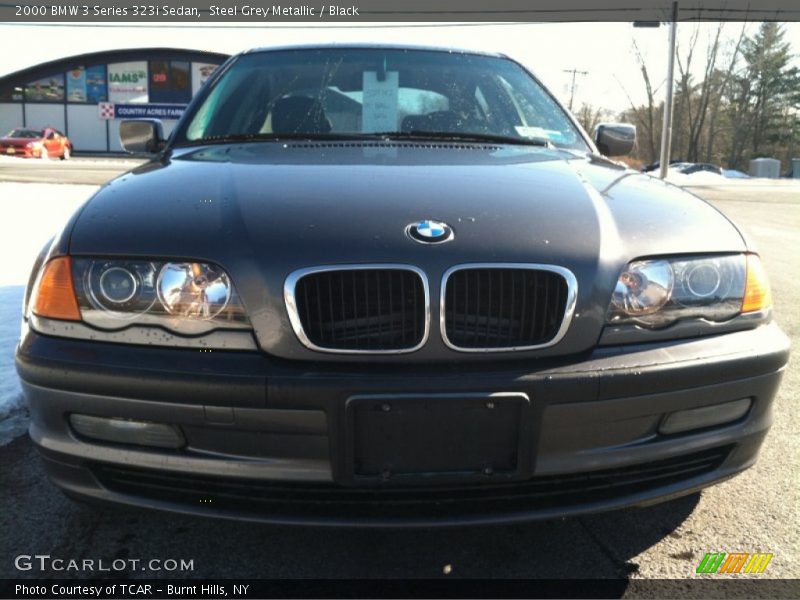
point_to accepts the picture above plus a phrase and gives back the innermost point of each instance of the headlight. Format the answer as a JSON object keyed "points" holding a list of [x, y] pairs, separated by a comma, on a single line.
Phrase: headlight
{"points": [[190, 298], [195, 290], [643, 288], [125, 288], [656, 293]]}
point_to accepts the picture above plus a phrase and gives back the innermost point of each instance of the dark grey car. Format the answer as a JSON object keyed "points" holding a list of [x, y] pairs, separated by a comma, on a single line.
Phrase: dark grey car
{"points": [[379, 286]]}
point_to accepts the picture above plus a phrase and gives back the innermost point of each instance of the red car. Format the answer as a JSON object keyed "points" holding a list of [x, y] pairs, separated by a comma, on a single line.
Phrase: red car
{"points": [[36, 143]]}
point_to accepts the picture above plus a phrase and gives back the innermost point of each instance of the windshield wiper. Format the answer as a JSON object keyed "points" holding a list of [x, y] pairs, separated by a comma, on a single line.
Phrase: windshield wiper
{"points": [[384, 135], [418, 134], [274, 137]]}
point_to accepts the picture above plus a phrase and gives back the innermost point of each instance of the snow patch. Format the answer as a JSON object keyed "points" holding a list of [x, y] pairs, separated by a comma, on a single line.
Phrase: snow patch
{"points": [[11, 403], [30, 214]]}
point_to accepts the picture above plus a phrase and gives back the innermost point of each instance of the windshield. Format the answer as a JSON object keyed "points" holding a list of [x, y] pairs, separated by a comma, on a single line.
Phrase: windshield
{"points": [[363, 92], [24, 133]]}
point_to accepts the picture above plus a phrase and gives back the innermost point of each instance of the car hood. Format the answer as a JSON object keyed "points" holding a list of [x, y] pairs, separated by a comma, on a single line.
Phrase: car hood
{"points": [[265, 210]]}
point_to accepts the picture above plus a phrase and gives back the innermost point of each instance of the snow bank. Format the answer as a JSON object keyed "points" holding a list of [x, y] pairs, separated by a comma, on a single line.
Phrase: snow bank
{"points": [[696, 178], [10, 302], [30, 214]]}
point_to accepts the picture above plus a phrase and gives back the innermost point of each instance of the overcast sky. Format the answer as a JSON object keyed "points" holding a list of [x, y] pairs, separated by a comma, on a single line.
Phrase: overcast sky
{"points": [[604, 50]]}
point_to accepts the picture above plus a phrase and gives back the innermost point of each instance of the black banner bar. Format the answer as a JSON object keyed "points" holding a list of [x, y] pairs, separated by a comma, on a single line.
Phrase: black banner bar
{"points": [[177, 589], [371, 11]]}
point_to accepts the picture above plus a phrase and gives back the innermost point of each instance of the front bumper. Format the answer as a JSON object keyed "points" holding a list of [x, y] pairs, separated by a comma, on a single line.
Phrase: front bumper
{"points": [[19, 152], [271, 440]]}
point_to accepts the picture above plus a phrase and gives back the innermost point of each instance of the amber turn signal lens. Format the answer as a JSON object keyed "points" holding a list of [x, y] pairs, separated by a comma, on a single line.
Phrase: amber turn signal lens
{"points": [[756, 292], [55, 296]]}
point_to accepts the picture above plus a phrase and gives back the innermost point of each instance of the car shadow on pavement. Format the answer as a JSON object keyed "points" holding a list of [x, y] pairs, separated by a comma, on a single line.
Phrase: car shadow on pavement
{"points": [[41, 520]]}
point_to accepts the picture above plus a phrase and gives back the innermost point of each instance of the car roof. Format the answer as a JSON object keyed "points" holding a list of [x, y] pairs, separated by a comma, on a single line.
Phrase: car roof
{"points": [[374, 46]]}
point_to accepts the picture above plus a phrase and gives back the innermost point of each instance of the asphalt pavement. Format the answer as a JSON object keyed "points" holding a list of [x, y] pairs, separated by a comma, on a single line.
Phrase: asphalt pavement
{"points": [[758, 511]]}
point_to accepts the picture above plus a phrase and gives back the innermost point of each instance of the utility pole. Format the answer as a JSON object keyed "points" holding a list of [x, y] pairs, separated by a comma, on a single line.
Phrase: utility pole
{"points": [[666, 130], [572, 91]]}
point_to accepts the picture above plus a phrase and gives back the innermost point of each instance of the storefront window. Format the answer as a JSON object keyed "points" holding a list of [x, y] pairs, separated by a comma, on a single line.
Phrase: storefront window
{"points": [[76, 85], [46, 89], [128, 82], [8, 93], [170, 81], [181, 77], [96, 86]]}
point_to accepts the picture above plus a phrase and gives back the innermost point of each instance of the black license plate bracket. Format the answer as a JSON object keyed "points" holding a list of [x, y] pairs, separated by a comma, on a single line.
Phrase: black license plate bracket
{"points": [[430, 438]]}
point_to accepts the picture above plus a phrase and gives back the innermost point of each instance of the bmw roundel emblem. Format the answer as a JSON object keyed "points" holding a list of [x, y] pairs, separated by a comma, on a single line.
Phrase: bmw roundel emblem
{"points": [[430, 232]]}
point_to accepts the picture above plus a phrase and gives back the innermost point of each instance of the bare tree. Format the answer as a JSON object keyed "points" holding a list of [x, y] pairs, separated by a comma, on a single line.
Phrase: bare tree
{"points": [[646, 118], [723, 79], [759, 95], [590, 117], [683, 117], [737, 99], [700, 102]]}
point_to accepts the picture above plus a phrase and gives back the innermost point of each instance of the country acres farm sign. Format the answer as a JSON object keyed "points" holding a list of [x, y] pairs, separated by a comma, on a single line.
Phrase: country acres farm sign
{"points": [[112, 110]]}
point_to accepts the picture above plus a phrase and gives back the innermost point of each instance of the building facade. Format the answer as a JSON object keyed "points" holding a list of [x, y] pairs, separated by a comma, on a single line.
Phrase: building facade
{"points": [[86, 96]]}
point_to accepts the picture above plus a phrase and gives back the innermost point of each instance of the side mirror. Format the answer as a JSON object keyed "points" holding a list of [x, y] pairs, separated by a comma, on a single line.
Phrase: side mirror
{"points": [[615, 139], [139, 136]]}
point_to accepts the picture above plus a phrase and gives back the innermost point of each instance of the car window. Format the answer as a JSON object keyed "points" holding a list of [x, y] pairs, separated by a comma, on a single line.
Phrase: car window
{"points": [[361, 91], [537, 118], [345, 109], [481, 100], [25, 133]]}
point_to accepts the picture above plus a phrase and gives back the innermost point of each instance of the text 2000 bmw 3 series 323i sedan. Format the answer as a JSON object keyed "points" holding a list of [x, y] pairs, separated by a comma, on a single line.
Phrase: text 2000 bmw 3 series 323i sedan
{"points": [[393, 286]]}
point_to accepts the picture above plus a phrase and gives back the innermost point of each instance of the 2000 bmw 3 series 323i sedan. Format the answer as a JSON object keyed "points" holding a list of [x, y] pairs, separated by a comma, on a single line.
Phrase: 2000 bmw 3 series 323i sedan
{"points": [[379, 286]]}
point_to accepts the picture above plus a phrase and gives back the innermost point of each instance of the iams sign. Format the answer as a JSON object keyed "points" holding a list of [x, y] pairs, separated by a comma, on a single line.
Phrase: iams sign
{"points": [[129, 77]]}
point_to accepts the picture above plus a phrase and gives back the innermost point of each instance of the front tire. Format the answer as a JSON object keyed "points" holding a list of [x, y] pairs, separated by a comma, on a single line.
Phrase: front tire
{"points": [[66, 154]]}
